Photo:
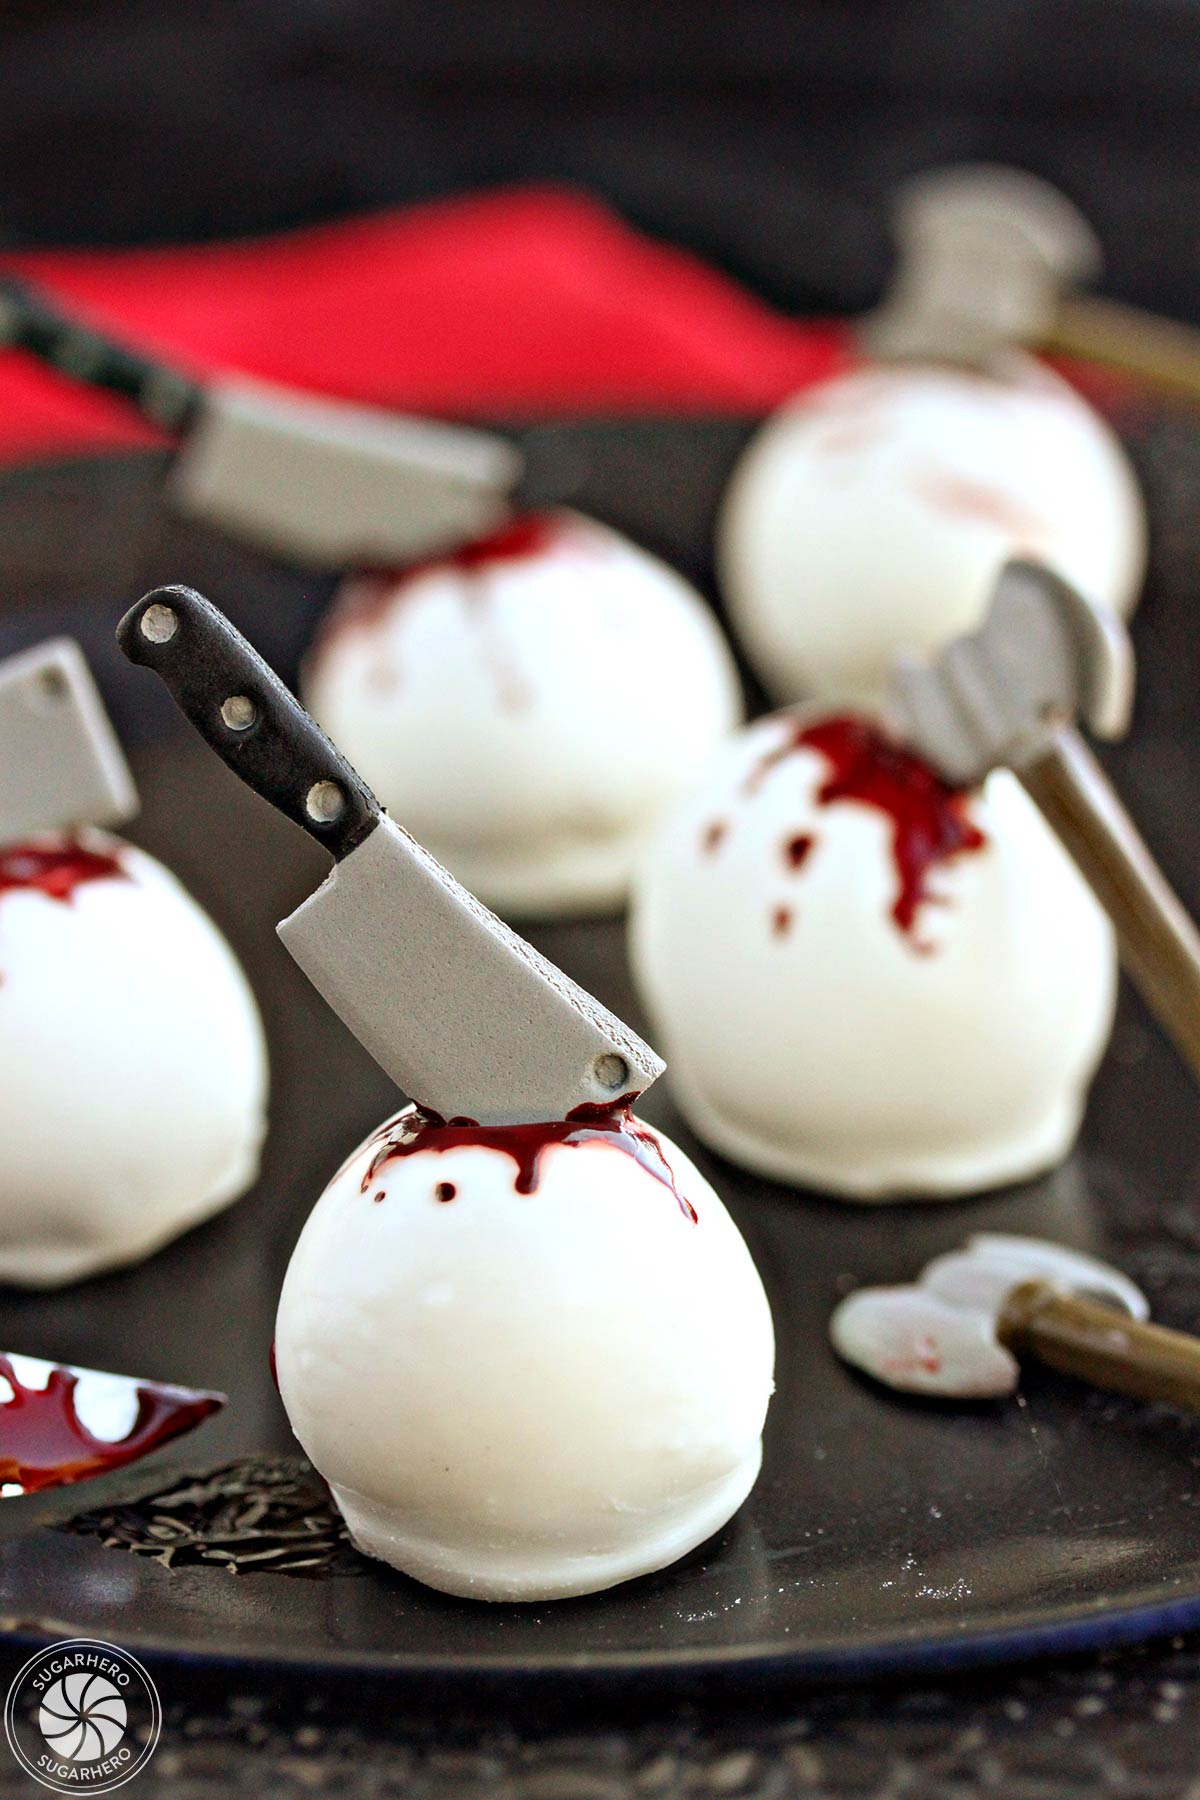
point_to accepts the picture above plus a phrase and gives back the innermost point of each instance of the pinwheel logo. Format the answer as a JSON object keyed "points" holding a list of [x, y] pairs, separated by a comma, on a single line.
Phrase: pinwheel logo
{"points": [[82, 1714]]}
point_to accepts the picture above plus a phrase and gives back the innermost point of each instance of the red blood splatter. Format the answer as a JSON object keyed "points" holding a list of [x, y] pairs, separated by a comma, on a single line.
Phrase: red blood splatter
{"points": [[925, 1359], [445, 1190], [44, 1443], [714, 836], [781, 921], [418, 1130], [845, 439], [948, 492], [796, 851], [56, 869], [929, 819], [379, 1196], [369, 596]]}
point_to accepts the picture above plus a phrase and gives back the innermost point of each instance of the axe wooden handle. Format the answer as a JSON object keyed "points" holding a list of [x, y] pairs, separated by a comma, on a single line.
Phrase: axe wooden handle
{"points": [[1099, 1344], [1160, 945], [1163, 351]]}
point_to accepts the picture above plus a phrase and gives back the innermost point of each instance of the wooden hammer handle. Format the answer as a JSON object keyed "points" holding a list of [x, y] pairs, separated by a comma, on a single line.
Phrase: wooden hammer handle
{"points": [[1099, 1344], [1163, 351], [1160, 945]]}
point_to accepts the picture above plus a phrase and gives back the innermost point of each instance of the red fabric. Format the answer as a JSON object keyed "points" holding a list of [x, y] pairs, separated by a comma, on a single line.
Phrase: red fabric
{"points": [[524, 302]]}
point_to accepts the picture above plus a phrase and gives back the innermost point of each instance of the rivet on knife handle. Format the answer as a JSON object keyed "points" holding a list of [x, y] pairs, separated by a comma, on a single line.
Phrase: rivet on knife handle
{"points": [[245, 713]]}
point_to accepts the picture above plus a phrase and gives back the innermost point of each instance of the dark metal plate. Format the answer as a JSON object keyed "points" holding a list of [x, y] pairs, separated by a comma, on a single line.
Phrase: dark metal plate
{"points": [[883, 1535]]}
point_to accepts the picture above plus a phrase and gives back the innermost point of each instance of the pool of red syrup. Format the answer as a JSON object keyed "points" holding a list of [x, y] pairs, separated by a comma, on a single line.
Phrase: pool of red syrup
{"points": [[55, 869], [419, 1131], [44, 1443]]}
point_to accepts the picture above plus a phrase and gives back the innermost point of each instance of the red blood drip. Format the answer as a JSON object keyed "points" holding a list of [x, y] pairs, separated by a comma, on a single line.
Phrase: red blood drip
{"points": [[714, 836], [56, 869], [417, 1130], [845, 439], [445, 1190], [369, 595], [781, 921], [44, 1444], [924, 1359], [950, 493], [929, 819], [528, 535], [797, 849]]}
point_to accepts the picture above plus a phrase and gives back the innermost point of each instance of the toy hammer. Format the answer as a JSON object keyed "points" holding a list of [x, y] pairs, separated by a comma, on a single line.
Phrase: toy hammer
{"points": [[958, 1331], [990, 257], [1009, 694]]}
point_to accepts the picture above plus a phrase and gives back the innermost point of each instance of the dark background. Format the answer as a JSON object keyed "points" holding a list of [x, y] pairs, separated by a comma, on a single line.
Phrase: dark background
{"points": [[763, 133]]}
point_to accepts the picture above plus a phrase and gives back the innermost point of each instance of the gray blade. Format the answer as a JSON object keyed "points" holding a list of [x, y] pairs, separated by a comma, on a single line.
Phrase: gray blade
{"points": [[463, 1015], [984, 253], [60, 762], [326, 483], [1043, 655]]}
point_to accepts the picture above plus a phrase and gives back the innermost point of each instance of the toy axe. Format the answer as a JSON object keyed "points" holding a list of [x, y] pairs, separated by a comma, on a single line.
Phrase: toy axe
{"points": [[990, 257], [1009, 694], [959, 1330]]}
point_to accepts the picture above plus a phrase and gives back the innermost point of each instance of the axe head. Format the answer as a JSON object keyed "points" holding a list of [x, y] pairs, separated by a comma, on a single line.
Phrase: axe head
{"points": [[939, 1335], [984, 253], [1043, 657]]}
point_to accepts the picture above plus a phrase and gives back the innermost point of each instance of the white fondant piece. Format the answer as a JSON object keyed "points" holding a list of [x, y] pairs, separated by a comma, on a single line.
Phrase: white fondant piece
{"points": [[531, 718], [133, 1071], [523, 1396], [874, 512]]}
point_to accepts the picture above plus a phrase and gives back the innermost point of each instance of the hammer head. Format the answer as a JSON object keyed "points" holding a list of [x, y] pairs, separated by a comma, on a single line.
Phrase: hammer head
{"points": [[1043, 657], [938, 1336], [984, 253]]}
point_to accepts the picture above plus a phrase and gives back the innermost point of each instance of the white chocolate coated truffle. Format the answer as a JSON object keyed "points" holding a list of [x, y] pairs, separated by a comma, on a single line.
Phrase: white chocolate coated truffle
{"points": [[875, 511], [133, 1072], [864, 982], [527, 1367], [528, 707]]}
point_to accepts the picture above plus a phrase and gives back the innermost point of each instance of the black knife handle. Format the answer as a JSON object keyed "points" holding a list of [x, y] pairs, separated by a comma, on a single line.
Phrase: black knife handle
{"points": [[30, 321], [242, 709]]}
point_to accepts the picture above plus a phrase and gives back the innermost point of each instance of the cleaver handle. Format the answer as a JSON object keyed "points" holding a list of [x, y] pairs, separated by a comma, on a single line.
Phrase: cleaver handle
{"points": [[246, 714], [32, 322], [1160, 945]]}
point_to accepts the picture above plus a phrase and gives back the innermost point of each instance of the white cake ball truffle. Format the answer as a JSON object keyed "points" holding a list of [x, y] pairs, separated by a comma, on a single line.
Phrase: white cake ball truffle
{"points": [[875, 511], [864, 981], [133, 1072], [529, 1360], [529, 706]]}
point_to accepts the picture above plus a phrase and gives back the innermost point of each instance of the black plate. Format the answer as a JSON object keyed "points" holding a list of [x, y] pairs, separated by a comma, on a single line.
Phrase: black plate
{"points": [[883, 1534]]}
